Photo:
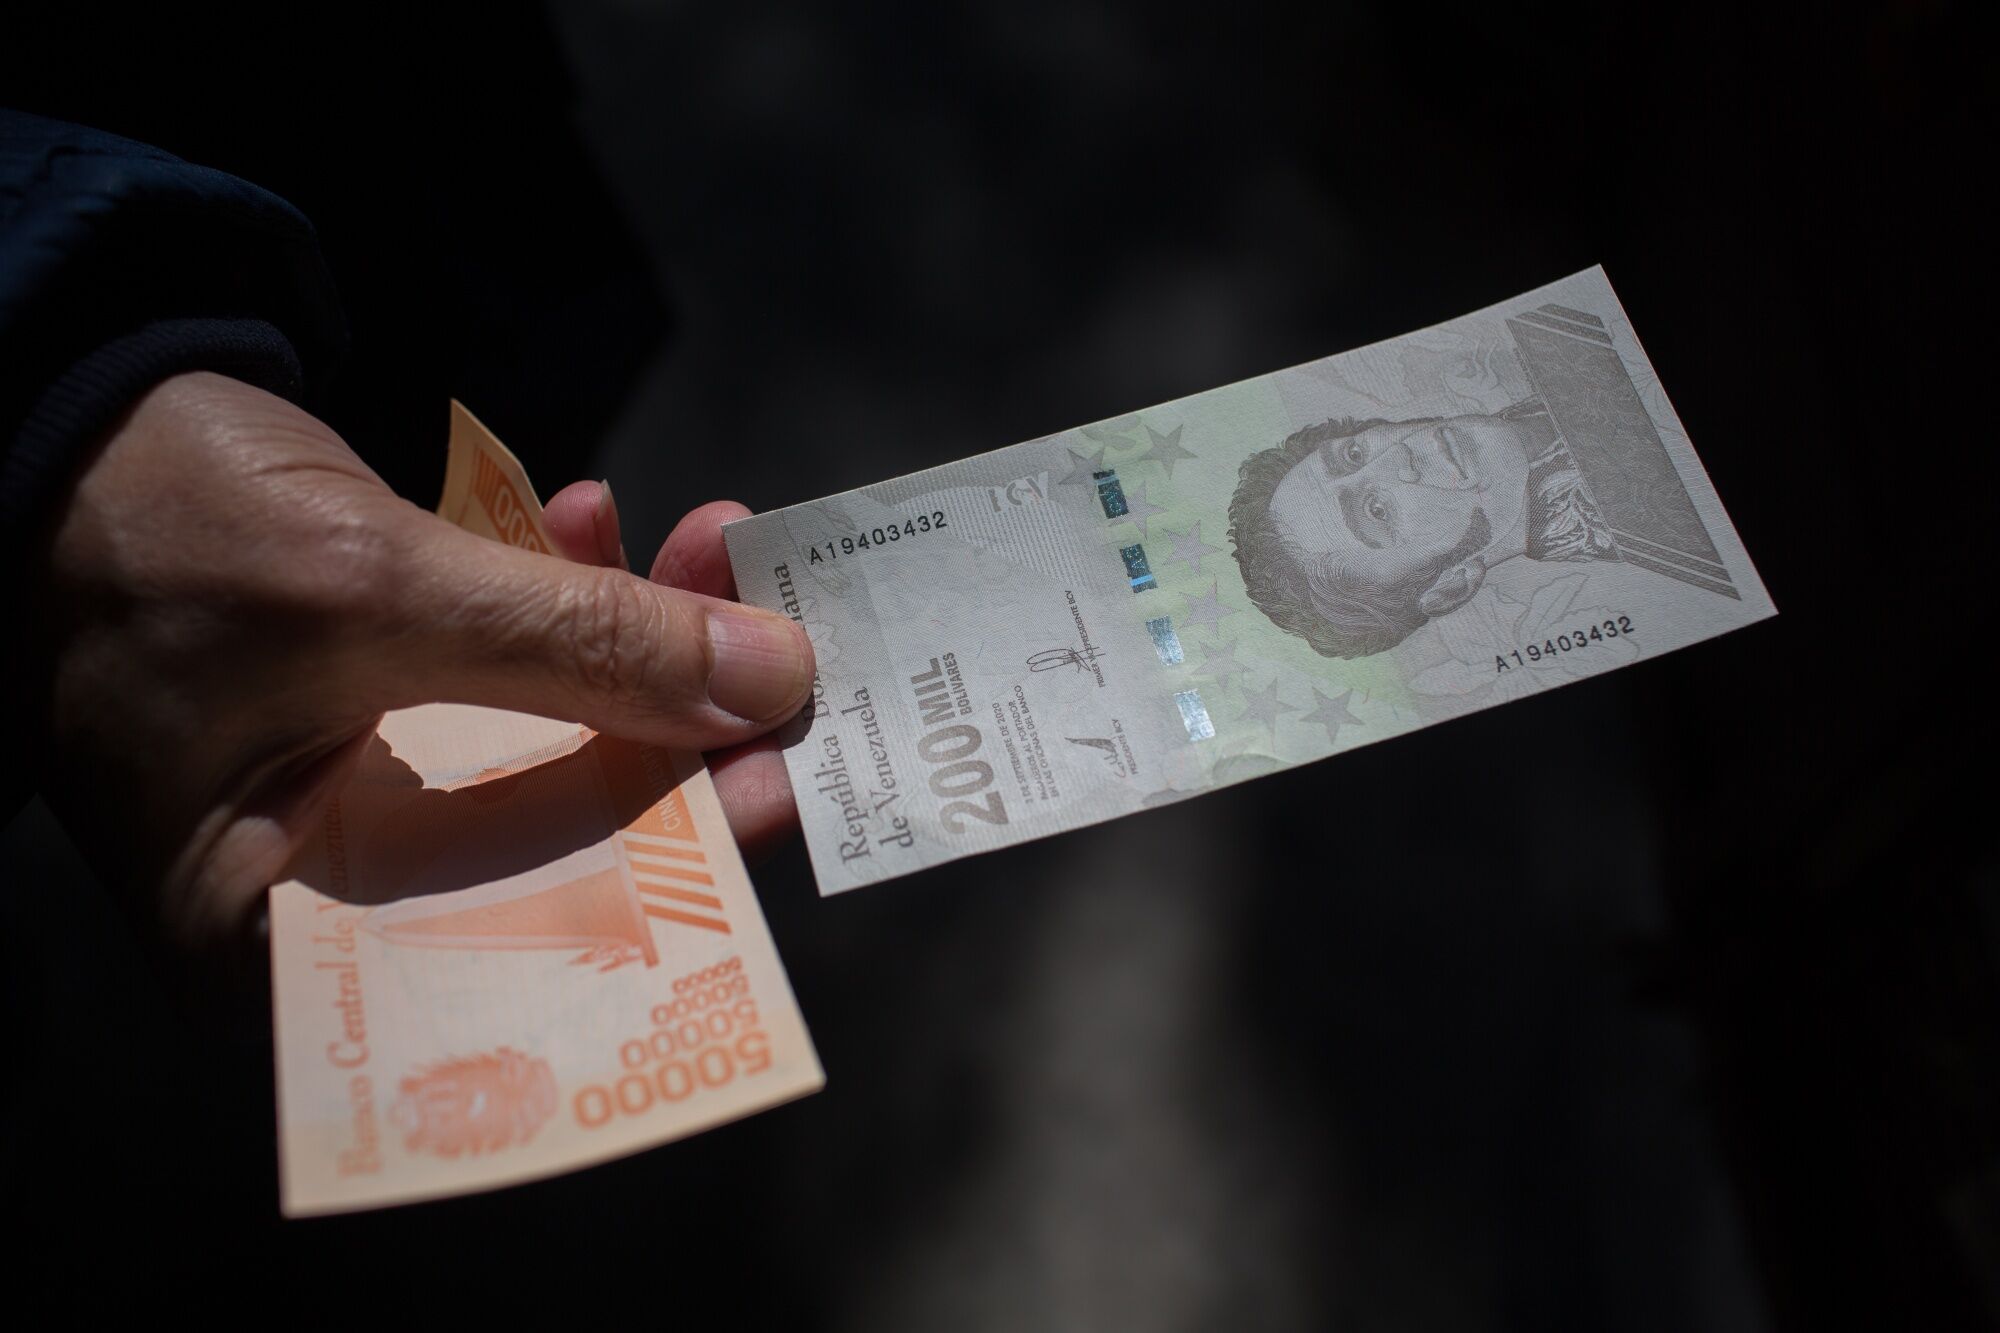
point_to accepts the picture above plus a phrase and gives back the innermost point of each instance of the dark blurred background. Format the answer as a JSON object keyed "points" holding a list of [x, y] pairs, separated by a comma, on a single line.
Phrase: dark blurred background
{"points": [[1667, 1001]]}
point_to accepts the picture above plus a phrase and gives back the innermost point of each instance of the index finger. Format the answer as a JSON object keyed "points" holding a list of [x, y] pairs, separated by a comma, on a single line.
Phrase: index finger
{"points": [[693, 556]]}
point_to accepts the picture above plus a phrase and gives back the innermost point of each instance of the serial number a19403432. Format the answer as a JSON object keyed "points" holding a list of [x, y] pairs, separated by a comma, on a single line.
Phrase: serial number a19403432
{"points": [[1570, 640], [868, 538]]}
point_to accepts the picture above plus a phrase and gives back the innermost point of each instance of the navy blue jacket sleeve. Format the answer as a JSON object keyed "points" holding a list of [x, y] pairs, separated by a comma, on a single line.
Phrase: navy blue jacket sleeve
{"points": [[119, 266]]}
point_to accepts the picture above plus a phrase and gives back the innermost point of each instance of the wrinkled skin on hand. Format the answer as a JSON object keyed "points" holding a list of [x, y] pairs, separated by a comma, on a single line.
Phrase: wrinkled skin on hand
{"points": [[232, 599]]}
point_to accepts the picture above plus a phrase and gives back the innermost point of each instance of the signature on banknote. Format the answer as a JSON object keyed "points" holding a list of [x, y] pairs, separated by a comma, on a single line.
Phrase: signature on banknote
{"points": [[1262, 575]]}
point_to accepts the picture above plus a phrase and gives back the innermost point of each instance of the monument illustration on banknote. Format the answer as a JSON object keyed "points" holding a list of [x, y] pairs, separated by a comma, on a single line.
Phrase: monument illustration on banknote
{"points": [[448, 858], [1241, 581], [515, 946]]}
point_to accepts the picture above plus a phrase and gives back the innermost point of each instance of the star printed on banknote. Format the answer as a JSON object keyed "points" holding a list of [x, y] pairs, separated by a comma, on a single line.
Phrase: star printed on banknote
{"points": [[1263, 575]]}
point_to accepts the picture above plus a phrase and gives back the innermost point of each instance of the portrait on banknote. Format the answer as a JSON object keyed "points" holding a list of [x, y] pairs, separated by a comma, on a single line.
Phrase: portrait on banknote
{"points": [[1353, 533], [1120, 615]]}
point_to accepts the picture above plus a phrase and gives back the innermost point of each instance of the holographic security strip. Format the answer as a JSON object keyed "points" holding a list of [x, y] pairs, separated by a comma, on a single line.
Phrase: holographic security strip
{"points": [[1110, 494], [1194, 716], [1137, 570]]}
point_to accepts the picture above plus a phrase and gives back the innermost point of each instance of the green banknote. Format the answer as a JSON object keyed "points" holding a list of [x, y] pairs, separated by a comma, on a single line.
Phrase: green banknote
{"points": [[1136, 611]]}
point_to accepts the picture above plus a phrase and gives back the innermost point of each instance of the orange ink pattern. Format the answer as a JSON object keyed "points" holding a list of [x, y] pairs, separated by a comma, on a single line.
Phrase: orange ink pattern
{"points": [[660, 843], [475, 1104], [596, 912], [511, 518], [662, 875]]}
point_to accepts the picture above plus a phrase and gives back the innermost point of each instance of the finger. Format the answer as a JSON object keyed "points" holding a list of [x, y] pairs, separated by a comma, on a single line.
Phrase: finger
{"points": [[750, 780], [756, 796], [693, 556], [571, 518], [582, 518], [477, 622]]}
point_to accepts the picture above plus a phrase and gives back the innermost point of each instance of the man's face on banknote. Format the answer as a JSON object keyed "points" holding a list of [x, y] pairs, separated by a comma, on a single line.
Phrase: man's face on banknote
{"points": [[953, 673], [1397, 496]]}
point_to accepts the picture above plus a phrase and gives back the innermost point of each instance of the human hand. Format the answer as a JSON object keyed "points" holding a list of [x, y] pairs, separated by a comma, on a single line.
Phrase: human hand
{"points": [[750, 779], [232, 599]]}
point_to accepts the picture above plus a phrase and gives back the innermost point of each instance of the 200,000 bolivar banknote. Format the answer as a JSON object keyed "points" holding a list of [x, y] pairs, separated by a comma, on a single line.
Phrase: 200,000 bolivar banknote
{"points": [[1135, 611], [517, 947]]}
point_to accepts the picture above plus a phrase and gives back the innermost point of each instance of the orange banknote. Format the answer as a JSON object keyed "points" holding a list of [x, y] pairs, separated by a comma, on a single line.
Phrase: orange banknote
{"points": [[517, 947]]}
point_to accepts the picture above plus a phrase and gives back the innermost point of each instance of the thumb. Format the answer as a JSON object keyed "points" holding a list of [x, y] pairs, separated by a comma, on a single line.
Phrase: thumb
{"points": [[482, 623]]}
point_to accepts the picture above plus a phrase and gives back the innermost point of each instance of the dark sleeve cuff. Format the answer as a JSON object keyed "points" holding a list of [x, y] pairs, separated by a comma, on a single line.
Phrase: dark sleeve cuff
{"points": [[82, 404], [120, 265], [73, 413]]}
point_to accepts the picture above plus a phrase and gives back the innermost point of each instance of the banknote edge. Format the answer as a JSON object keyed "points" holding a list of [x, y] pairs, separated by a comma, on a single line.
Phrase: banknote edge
{"points": [[575, 1166], [1756, 615], [1631, 330], [1762, 606], [911, 476]]}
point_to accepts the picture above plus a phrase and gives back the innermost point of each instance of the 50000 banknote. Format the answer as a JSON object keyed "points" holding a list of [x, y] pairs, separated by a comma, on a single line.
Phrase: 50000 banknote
{"points": [[517, 947], [1241, 581]]}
